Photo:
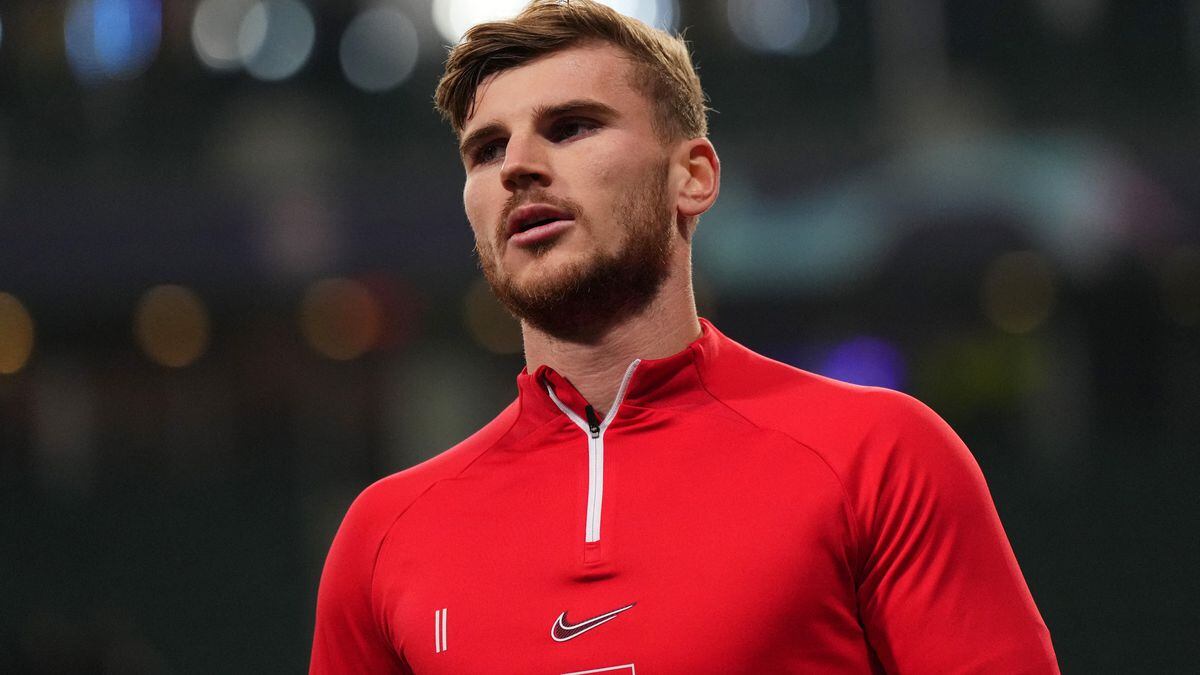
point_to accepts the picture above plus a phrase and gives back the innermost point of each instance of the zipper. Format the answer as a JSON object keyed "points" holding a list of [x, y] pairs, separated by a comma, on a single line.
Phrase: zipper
{"points": [[595, 428], [595, 476]]}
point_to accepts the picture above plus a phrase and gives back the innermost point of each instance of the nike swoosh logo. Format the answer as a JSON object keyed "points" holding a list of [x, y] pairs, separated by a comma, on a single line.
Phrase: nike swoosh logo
{"points": [[562, 631]]}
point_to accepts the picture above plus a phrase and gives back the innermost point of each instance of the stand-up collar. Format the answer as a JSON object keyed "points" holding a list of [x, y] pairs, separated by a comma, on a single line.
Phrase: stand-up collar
{"points": [[655, 383]]}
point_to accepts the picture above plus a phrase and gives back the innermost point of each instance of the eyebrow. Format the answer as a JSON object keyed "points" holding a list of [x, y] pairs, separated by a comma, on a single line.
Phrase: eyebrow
{"points": [[540, 113]]}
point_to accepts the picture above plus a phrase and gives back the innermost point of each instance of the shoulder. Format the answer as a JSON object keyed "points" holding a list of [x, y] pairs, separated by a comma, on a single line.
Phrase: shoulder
{"points": [[808, 406], [860, 432]]}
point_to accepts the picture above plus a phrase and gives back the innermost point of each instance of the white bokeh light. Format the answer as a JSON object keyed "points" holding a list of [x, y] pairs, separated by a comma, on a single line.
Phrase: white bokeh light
{"points": [[662, 14], [784, 26], [379, 49], [276, 38], [454, 17], [215, 32]]}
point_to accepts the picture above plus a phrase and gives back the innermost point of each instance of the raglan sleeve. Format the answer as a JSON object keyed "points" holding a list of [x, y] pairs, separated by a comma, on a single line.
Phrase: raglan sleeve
{"points": [[347, 637], [940, 590]]}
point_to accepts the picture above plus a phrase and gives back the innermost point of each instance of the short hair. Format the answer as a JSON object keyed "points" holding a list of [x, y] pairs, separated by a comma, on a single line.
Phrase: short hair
{"points": [[662, 65]]}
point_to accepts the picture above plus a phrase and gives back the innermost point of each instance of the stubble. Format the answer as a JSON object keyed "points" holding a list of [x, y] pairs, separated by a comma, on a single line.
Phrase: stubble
{"points": [[580, 302]]}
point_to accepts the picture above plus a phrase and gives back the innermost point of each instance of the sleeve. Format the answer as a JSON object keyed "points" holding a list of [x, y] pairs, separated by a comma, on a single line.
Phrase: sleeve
{"points": [[940, 590], [347, 637]]}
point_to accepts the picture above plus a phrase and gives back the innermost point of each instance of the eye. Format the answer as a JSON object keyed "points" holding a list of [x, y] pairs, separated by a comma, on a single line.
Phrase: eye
{"points": [[572, 128], [489, 152]]}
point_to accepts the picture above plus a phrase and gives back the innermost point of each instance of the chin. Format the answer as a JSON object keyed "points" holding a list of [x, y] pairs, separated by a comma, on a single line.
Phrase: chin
{"points": [[538, 277], [539, 265]]}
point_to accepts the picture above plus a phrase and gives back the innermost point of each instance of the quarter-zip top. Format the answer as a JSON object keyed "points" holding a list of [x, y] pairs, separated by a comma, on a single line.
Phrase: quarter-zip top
{"points": [[594, 430], [756, 519]]}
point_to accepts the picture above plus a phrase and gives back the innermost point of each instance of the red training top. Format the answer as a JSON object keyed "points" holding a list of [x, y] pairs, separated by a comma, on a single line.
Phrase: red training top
{"points": [[730, 514]]}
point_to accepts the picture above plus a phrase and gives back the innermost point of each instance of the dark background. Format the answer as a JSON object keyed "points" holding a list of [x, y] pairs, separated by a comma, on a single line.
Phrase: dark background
{"points": [[231, 299]]}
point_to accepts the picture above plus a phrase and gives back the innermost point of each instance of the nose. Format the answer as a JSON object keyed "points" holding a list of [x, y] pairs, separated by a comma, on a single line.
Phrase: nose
{"points": [[526, 163]]}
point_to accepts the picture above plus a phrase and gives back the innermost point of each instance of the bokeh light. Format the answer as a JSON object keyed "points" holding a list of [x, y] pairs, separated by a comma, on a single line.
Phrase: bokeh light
{"points": [[868, 361], [662, 14], [340, 319], [299, 234], [276, 38], [172, 326], [379, 49], [215, 27], [16, 334], [113, 39], [1180, 282], [489, 323], [454, 17], [784, 26], [1018, 291], [963, 374]]}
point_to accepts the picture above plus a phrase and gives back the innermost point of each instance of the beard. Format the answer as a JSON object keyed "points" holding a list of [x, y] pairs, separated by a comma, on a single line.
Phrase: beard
{"points": [[580, 302]]}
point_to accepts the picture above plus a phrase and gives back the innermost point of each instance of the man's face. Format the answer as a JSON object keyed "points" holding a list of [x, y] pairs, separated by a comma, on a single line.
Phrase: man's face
{"points": [[566, 191]]}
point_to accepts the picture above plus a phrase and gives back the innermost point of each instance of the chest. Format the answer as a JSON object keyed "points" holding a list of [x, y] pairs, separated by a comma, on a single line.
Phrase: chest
{"points": [[669, 554]]}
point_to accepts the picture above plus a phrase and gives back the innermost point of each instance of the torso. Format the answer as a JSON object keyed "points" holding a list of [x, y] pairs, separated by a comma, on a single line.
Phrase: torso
{"points": [[729, 541]]}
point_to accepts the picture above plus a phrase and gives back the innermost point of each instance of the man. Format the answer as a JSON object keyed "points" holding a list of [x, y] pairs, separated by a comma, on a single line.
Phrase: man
{"points": [[658, 499]]}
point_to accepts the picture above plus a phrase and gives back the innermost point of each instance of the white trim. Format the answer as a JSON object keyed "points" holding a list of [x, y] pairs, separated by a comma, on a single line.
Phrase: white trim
{"points": [[595, 486], [444, 629], [612, 411], [595, 500], [579, 421]]}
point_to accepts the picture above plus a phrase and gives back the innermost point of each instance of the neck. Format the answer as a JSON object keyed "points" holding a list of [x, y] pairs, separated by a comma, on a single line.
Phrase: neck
{"points": [[667, 325]]}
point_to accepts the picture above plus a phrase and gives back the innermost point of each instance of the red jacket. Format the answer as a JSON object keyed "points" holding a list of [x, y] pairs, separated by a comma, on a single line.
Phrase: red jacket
{"points": [[730, 514]]}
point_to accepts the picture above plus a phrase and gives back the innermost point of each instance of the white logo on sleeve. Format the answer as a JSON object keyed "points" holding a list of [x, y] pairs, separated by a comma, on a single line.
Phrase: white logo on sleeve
{"points": [[439, 631]]}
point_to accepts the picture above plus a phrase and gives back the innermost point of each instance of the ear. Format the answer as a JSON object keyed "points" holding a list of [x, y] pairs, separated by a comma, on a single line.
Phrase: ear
{"points": [[697, 171]]}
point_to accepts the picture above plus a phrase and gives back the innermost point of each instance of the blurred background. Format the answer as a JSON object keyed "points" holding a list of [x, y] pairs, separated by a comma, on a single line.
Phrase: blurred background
{"points": [[237, 286]]}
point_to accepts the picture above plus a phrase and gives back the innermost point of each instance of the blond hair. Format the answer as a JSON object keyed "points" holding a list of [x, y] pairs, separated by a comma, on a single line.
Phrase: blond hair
{"points": [[662, 66]]}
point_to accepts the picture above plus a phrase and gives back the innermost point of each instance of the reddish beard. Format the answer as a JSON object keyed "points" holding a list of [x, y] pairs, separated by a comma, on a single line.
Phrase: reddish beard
{"points": [[583, 300]]}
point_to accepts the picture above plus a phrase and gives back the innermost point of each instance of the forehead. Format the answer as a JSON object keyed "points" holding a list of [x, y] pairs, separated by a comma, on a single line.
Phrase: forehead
{"points": [[598, 72]]}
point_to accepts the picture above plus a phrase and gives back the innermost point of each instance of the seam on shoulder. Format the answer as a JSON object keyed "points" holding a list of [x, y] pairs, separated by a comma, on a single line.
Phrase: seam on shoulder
{"points": [[391, 526], [855, 532]]}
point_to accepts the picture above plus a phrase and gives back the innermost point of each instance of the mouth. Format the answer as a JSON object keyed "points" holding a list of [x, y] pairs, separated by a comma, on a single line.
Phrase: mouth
{"points": [[535, 223], [525, 227]]}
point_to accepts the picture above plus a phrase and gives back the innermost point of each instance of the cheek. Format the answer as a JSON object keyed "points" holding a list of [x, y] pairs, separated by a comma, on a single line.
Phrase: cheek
{"points": [[474, 205], [616, 181], [607, 169]]}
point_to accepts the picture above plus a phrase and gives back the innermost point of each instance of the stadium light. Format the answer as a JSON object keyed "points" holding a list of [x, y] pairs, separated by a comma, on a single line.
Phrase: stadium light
{"points": [[454, 17], [379, 49], [215, 31], [796, 27], [276, 38]]}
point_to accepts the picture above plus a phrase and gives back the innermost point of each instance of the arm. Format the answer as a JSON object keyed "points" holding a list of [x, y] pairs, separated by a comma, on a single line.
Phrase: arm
{"points": [[348, 637], [940, 590]]}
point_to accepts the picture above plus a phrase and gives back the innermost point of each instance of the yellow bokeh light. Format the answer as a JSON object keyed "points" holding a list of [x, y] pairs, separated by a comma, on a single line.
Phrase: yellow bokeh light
{"points": [[340, 319], [171, 326], [490, 324], [1018, 291], [16, 335]]}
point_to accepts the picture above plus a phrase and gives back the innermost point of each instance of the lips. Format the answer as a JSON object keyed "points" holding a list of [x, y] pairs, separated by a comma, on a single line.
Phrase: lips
{"points": [[533, 216]]}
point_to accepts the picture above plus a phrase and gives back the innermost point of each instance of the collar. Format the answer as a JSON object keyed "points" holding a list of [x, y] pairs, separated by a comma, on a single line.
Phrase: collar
{"points": [[671, 381]]}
